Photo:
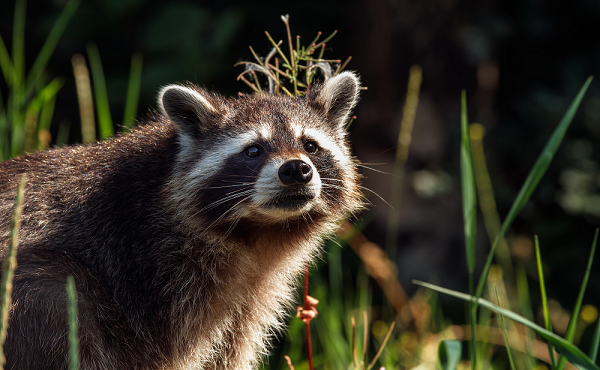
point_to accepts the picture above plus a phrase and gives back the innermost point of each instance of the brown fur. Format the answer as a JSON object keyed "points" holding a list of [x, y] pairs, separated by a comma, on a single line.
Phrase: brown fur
{"points": [[181, 251]]}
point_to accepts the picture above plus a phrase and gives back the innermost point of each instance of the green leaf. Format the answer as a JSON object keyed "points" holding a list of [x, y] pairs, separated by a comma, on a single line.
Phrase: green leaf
{"points": [[449, 353], [595, 342], [133, 90], [547, 323], [534, 177], [18, 46], [503, 327], [469, 199], [5, 63], [576, 356], [575, 316], [36, 71], [52, 40], [105, 124]]}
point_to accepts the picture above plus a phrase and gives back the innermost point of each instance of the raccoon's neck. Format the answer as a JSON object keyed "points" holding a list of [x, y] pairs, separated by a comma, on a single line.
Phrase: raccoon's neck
{"points": [[242, 292]]}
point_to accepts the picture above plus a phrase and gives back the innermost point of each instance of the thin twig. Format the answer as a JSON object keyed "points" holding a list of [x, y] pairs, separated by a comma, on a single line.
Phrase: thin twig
{"points": [[252, 86], [289, 362], [387, 336], [342, 66], [256, 81]]}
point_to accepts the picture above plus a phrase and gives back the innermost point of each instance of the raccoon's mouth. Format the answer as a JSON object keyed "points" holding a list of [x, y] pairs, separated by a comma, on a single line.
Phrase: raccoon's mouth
{"points": [[293, 201]]}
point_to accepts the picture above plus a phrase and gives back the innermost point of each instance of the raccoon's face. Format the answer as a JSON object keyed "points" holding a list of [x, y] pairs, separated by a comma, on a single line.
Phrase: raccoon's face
{"points": [[266, 159]]}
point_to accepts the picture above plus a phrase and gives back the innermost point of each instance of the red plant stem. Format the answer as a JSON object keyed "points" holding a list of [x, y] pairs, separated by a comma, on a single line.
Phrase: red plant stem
{"points": [[310, 359], [307, 322]]}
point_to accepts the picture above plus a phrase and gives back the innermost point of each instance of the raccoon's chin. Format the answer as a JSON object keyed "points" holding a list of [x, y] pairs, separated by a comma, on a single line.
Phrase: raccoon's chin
{"points": [[288, 204], [294, 200]]}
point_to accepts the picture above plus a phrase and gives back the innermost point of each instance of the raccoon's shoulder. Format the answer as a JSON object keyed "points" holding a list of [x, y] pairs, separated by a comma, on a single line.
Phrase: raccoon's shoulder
{"points": [[149, 136]]}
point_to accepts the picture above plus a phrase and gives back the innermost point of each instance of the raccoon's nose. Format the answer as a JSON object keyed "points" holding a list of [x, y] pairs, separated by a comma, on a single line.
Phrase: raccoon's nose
{"points": [[295, 171]]}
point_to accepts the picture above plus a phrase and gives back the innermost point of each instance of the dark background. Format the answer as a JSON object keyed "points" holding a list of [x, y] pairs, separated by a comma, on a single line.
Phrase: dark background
{"points": [[521, 63]]}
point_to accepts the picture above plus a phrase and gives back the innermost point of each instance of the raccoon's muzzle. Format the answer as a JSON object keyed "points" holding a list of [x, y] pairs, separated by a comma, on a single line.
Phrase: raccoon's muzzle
{"points": [[295, 175]]}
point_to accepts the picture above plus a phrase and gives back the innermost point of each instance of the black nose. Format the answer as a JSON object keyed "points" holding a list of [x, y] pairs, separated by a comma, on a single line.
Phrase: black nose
{"points": [[295, 172]]}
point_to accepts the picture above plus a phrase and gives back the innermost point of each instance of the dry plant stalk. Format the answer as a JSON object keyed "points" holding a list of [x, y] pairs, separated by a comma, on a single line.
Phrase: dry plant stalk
{"points": [[363, 362], [297, 69]]}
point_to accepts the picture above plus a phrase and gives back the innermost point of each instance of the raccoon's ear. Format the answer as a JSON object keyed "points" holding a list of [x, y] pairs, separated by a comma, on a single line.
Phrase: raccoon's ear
{"points": [[189, 109], [338, 96]]}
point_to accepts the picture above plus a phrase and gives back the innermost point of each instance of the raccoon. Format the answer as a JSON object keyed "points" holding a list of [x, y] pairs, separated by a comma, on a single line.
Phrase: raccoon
{"points": [[185, 236]]}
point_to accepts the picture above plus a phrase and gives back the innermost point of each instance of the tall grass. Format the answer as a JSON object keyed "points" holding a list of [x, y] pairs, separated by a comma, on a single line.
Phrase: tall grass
{"points": [[332, 352], [563, 345], [9, 265], [26, 111]]}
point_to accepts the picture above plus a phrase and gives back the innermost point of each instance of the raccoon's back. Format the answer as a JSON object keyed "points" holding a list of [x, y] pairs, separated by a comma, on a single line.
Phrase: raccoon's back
{"points": [[72, 189]]}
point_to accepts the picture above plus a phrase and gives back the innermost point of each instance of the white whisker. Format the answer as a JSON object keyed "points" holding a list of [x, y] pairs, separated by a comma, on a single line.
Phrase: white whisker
{"points": [[223, 214], [226, 199]]}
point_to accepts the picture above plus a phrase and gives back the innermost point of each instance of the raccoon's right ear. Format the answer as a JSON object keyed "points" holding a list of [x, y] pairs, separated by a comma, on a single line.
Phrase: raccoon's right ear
{"points": [[337, 96], [188, 109]]}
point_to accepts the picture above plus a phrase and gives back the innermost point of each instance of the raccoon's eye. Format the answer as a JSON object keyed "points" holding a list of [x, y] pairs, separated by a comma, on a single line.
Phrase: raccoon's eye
{"points": [[310, 147], [252, 151]]}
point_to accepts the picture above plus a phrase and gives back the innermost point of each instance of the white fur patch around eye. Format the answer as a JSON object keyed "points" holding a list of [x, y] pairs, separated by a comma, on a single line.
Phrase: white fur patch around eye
{"points": [[213, 158], [296, 130], [325, 142], [265, 133]]}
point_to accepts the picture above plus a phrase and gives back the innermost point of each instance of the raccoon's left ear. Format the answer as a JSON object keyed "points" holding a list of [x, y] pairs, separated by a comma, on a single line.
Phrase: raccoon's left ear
{"points": [[191, 110], [338, 96]]}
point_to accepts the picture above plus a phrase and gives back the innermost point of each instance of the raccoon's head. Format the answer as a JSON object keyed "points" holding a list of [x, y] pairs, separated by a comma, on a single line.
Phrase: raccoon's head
{"points": [[263, 159]]}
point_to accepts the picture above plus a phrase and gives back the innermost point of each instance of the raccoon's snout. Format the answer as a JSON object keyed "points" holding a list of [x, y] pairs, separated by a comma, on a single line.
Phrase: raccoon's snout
{"points": [[295, 172]]}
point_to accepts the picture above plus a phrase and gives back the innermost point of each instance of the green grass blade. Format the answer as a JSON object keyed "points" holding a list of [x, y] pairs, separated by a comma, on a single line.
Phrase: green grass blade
{"points": [[8, 266], [449, 353], [62, 136], [468, 189], [486, 199], [576, 356], [105, 124], [527, 311], [45, 120], [18, 46], [469, 213], [73, 324], [534, 177], [503, 327], [407, 123], [595, 341], [575, 316], [5, 63], [547, 323], [16, 115], [52, 40], [133, 90]]}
